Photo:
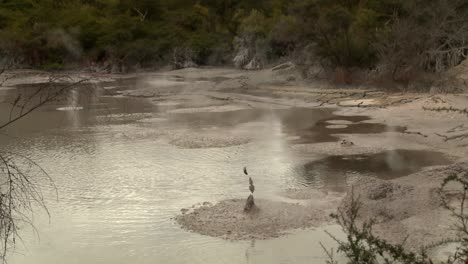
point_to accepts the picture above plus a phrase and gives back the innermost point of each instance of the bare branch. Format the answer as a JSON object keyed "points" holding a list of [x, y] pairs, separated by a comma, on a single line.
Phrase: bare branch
{"points": [[46, 95]]}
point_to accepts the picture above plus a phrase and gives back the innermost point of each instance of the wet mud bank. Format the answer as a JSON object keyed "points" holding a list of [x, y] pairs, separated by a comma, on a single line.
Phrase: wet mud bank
{"points": [[271, 219], [409, 208]]}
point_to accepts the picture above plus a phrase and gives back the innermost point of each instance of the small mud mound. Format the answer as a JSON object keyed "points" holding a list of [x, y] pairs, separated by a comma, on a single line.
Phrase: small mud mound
{"points": [[336, 126], [227, 219], [206, 140]]}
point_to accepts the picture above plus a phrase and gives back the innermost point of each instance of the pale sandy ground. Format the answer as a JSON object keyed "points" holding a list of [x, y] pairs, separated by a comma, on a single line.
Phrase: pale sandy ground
{"points": [[404, 206]]}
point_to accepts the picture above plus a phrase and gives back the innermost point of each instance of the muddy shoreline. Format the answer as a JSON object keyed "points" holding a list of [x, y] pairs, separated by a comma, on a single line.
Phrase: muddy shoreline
{"points": [[430, 122]]}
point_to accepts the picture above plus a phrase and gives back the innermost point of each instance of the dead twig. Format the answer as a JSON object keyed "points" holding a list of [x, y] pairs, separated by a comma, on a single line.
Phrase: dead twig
{"points": [[446, 109]]}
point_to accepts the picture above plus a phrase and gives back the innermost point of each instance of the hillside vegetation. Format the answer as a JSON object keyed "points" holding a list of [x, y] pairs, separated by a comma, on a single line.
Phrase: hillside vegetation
{"points": [[396, 38]]}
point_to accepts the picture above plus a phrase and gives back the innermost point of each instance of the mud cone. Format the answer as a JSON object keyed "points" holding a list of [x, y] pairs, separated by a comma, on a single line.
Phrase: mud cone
{"points": [[249, 204], [251, 186]]}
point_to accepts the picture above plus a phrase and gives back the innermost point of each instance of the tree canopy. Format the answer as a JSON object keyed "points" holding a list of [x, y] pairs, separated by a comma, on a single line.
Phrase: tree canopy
{"points": [[345, 33]]}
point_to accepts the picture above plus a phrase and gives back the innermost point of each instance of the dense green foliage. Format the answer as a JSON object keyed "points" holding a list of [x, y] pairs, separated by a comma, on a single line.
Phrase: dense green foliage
{"points": [[345, 33]]}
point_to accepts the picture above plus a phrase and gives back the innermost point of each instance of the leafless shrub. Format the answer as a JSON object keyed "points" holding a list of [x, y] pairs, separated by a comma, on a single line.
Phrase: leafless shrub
{"points": [[363, 247], [455, 200], [52, 91], [20, 193], [428, 36]]}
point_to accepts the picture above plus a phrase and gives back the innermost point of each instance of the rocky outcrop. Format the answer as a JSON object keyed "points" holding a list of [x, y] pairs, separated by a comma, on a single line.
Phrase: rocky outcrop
{"points": [[288, 72], [109, 66], [284, 66], [247, 57], [458, 76], [183, 58], [242, 58], [254, 64]]}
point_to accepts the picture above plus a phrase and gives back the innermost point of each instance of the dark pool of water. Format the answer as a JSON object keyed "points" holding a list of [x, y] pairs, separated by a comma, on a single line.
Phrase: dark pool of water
{"points": [[306, 125], [335, 171], [324, 130]]}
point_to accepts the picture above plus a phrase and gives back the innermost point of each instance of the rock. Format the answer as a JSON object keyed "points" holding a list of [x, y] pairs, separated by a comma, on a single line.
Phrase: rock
{"points": [[244, 51], [287, 72], [347, 143], [454, 80], [283, 66], [241, 59], [183, 58], [254, 64], [189, 64]]}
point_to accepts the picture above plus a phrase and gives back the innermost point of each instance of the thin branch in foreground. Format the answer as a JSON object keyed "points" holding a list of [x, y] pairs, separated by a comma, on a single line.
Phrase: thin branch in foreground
{"points": [[20, 195], [42, 96]]}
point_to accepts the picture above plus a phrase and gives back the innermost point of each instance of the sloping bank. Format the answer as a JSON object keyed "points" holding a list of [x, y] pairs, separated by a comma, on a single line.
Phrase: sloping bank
{"points": [[409, 210]]}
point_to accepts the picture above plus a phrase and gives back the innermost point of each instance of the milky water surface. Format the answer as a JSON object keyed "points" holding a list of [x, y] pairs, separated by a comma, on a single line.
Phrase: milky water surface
{"points": [[121, 180]]}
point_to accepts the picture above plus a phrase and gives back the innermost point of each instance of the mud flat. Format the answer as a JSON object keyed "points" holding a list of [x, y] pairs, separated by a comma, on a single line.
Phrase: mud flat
{"points": [[227, 219], [183, 139]]}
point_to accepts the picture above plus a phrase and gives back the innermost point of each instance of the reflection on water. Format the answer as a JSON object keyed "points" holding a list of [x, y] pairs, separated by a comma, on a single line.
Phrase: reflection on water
{"points": [[84, 107], [120, 183], [334, 171], [304, 124], [327, 128]]}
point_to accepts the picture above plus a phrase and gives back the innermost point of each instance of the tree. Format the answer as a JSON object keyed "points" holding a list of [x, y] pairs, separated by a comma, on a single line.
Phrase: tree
{"points": [[20, 192], [425, 36]]}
